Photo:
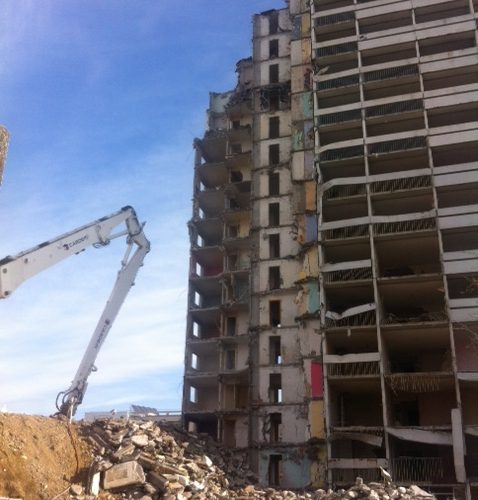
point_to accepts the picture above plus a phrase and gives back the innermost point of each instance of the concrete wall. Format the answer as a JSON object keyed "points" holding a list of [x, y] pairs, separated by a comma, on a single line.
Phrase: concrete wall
{"points": [[284, 181], [288, 271], [288, 310], [263, 150], [292, 383], [294, 468], [261, 47], [261, 23], [285, 217], [289, 346]]}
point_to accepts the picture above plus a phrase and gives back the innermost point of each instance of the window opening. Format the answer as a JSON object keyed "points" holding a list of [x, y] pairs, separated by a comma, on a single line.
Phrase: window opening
{"points": [[273, 48], [274, 127], [274, 73], [236, 176], [275, 313], [274, 278], [274, 179], [230, 359], [275, 387], [273, 22], [274, 246], [231, 325], [274, 214], [276, 421], [275, 357], [274, 154]]}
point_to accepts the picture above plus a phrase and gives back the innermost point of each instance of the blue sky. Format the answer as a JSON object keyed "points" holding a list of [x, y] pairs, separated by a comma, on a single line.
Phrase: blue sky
{"points": [[102, 99]]}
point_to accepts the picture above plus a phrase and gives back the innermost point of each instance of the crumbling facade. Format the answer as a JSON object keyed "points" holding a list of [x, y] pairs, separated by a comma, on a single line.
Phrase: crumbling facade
{"points": [[333, 306]]}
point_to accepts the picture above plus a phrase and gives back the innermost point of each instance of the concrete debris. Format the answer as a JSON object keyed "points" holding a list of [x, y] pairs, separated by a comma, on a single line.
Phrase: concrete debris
{"points": [[142, 461]]}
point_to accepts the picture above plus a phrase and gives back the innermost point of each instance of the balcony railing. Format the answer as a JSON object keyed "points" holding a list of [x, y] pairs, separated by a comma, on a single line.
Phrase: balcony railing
{"points": [[353, 369], [421, 470], [407, 183], [363, 273]]}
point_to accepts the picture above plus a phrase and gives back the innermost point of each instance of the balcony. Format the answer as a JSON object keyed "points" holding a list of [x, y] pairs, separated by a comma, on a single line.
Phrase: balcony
{"points": [[212, 175]]}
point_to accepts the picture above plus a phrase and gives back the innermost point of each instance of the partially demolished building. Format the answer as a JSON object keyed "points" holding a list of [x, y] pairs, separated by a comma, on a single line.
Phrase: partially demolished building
{"points": [[333, 301]]}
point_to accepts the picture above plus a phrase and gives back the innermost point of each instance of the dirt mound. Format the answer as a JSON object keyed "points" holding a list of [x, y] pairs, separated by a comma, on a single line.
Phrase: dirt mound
{"points": [[40, 456]]}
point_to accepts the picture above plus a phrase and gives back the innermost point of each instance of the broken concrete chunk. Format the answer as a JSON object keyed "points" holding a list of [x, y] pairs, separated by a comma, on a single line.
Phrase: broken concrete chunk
{"points": [[140, 440], [95, 484], [146, 461], [158, 481], [76, 490], [123, 451], [418, 492], [125, 474]]}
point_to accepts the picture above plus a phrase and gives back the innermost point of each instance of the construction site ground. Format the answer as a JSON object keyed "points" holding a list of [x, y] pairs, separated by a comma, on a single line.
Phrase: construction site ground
{"points": [[45, 458]]}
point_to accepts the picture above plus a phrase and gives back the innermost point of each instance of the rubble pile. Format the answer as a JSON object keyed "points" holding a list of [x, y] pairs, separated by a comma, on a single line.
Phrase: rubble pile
{"points": [[146, 461], [141, 460]]}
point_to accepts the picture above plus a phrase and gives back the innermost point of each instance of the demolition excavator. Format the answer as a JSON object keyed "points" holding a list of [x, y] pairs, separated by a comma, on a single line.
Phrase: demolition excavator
{"points": [[14, 270]]}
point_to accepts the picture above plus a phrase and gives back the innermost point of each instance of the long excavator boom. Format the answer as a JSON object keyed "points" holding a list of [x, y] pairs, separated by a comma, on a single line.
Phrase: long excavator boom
{"points": [[15, 270]]}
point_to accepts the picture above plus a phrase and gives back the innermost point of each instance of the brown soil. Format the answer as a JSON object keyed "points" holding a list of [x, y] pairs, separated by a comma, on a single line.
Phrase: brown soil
{"points": [[40, 456]]}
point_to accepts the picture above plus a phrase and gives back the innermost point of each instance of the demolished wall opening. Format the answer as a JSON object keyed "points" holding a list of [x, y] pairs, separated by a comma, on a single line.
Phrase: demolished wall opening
{"points": [[275, 387], [231, 326], [274, 246], [273, 22], [275, 313], [230, 359], [274, 471], [273, 48], [274, 186], [274, 214], [276, 422], [274, 73], [274, 154], [275, 356], [274, 127], [274, 278]]}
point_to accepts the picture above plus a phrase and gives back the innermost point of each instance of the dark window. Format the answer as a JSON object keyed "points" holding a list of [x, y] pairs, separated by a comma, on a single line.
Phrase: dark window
{"points": [[275, 387], [235, 148], [274, 246], [276, 421], [230, 359], [274, 214], [407, 413], [233, 204], [231, 325], [236, 124], [236, 176], [274, 100], [233, 231], [273, 48], [274, 126], [273, 22], [275, 357], [274, 73], [274, 278], [273, 184], [232, 262], [274, 154], [274, 313], [274, 469]]}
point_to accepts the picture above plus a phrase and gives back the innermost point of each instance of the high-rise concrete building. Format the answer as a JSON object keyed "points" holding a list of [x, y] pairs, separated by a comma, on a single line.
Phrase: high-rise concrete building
{"points": [[333, 305]]}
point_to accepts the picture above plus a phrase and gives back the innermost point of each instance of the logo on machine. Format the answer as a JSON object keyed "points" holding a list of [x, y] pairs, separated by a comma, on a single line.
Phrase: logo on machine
{"points": [[102, 334], [71, 244]]}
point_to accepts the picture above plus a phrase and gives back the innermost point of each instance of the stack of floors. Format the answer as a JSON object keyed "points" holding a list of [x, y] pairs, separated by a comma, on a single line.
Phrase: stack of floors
{"points": [[333, 307]]}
